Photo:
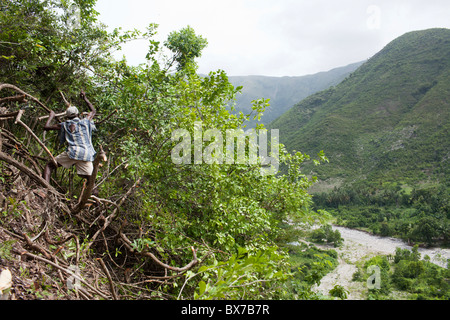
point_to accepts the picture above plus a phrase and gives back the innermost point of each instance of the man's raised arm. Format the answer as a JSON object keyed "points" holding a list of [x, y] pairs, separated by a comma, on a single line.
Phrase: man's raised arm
{"points": [[48, 125], [93, 112]]}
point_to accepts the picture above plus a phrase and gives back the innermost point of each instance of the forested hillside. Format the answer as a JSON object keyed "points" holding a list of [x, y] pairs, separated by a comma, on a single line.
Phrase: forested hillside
{"points": [[284, 92], [142, 227], [385, 130], [389, 119]]}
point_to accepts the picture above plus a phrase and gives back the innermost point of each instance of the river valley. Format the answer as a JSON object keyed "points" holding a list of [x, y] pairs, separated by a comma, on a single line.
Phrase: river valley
{"points": [[359, 245]]}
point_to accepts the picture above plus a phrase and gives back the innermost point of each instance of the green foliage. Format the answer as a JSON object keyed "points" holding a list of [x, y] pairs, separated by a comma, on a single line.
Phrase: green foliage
{"points": [[339, 291], [407, 255], [387, 121], [384, 281], [420, 277], [244, 276], [185, 45], [420, 215], [13, 208], [5, 249], [407, 276], [54, 45], [234, 216], [309, 265], [326, 234]]}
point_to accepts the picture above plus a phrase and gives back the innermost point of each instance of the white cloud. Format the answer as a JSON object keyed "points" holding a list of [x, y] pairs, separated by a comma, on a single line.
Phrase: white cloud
{"points": [[278, 37]]}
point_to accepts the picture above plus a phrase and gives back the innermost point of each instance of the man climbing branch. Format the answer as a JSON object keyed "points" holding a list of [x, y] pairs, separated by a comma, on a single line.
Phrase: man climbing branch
{"points": [[78, 135]]}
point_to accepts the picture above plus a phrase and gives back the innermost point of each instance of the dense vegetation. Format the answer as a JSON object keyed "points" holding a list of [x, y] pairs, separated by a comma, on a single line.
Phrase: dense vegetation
{"points": [[309, 265], [162, 230], [406, 276], [154, 229], [385, 131], [387, 122], [416, 215]]}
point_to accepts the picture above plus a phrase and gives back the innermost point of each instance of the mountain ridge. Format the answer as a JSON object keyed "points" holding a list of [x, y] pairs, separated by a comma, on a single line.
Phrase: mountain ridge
{"points": [[392, 109], [284, 92]]}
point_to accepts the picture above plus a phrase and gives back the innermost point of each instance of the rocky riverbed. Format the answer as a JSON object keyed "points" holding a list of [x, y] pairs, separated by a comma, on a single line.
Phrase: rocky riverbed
{"points": [[359, 245]]}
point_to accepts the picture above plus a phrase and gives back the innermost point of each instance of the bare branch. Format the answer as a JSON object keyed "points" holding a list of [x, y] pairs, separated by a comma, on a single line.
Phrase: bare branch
{"points": [[64, 98], [107, 117], [35, 177], [108, 275], [187, 267], [67, 271], [48, 116], [18, 120], [111, 217], [20, 98], [9, 115], [10, 86]]}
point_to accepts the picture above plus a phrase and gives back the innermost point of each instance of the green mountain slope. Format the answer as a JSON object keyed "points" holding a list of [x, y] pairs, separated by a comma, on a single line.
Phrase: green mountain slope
{"points": [[285, 92], [388, 120]]}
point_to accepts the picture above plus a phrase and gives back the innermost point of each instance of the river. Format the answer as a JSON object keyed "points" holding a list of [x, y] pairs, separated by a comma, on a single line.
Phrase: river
{"points": [[359, 245]]}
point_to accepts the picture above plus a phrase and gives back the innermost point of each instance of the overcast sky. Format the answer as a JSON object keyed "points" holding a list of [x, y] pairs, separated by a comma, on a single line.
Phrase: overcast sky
{"points": [[277, 37]]}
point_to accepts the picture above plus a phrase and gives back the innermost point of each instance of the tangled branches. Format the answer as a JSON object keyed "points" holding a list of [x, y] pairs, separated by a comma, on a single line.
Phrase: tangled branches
{"points": [[48, 229]]}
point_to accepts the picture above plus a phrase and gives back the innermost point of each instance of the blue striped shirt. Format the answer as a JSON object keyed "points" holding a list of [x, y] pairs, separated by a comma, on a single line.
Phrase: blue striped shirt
{"points": [[80, 140]]}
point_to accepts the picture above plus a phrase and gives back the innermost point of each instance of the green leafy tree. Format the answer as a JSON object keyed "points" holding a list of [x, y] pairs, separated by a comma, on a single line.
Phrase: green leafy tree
{"points": [[241, 276], [405, 254], [339, 291], [427, 230], [326, 234], [225, 207], [185, 45], [230, 214]]}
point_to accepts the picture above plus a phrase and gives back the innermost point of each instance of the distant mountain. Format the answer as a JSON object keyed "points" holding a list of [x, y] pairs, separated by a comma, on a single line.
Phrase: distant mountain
{"points": [[284, 92], [389, 120]]}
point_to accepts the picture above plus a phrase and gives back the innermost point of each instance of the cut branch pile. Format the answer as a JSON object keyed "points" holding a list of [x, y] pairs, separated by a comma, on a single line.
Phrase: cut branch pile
{"points": [[67, 244]]}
